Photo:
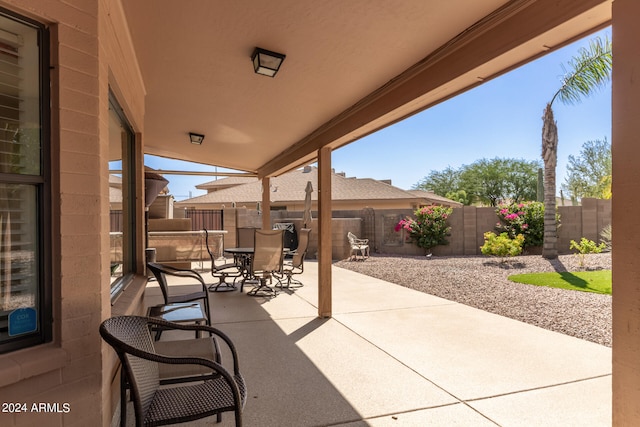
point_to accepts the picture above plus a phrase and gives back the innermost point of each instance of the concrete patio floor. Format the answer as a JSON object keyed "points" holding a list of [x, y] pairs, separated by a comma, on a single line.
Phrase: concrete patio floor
{"points": [[392, 356]]}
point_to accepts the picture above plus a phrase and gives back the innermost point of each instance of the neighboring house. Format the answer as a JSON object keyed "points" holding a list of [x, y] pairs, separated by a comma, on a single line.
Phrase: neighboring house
{"points": [[288, 193], [115, 193], [221, 184], [435, 199]]}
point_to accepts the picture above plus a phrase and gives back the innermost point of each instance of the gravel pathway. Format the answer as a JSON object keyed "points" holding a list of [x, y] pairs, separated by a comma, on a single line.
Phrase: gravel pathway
{"points": [[481, 282]]}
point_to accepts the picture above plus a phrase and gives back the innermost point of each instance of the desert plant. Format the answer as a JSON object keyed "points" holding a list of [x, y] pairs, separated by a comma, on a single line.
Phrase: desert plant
{"points": [[502, 245], [429, 228], [586, 246]]}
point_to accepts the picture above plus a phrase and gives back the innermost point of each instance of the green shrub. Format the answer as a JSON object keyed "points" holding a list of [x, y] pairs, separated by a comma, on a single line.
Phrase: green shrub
{"points": [[586, 246], [502, 245], [522, 218], [429, 228]]}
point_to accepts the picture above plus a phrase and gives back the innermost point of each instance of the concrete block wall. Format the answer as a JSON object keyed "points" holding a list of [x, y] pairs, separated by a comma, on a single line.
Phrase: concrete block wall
{"points": [[340, 248], [468, 225], [588, 220], [570, 226]]}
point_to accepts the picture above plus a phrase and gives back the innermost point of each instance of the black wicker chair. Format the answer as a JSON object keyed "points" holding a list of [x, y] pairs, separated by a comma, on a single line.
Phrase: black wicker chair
{"points": [[296, 265], [161, 271], [222, 391], [221, 272]]}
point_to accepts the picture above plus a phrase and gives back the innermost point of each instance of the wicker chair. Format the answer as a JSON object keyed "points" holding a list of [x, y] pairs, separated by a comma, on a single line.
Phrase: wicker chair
{"points": [[266, 260], [222, 272], [207, 348], [296, 265], [222, 391], [358, 246], [161, 271]]}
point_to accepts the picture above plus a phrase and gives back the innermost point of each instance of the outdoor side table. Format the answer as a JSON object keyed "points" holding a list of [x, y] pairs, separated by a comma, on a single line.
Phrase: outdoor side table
{"points": [[181, 312]]}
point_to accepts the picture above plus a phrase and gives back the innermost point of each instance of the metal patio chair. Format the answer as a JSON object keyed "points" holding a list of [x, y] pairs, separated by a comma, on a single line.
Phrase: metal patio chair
{"points": [[161, 271], [296, 264], [266, 260], [223, 271], [358, 246]]}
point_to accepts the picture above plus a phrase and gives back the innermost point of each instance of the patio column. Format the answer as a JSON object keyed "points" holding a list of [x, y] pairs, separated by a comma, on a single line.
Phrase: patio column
{"points": [[266, 203], [324, 232], [625, 152]]}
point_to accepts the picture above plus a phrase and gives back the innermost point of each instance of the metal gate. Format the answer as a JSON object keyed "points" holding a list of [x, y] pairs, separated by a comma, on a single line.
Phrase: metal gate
{"points": [[211, 219]]}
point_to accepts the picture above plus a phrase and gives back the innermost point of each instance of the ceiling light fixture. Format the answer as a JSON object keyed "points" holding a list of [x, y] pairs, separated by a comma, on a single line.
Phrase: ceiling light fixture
{"points": [[266, 62], [196, 138]]}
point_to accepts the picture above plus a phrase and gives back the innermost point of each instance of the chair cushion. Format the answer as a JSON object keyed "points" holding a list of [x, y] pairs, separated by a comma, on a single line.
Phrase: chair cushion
{"points": [[198, 347]]}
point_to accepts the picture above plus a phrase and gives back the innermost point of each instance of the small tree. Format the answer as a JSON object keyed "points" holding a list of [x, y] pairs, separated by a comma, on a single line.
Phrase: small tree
{"points": [[429, 228], [589, 174], [586, 246], [488, 181]]}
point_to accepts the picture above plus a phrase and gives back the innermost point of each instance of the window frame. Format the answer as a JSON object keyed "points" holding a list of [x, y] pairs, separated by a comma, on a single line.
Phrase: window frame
{"points": [[129, 242], [42, 184]]}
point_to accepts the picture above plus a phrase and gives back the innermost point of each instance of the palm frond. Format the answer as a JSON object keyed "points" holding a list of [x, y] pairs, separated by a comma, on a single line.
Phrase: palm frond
{"points": [[588, 71]]}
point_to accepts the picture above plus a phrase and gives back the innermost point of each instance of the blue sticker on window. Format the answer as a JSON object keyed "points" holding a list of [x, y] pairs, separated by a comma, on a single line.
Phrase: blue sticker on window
{"points": [[23, 321]]}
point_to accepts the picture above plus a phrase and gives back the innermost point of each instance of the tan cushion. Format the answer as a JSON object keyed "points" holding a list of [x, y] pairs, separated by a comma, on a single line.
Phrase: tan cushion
{"points": [[197, 347]]}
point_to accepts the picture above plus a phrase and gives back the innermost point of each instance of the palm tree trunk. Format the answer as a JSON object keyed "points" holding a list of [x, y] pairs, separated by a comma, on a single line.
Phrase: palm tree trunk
{"points": [[550, 157]]}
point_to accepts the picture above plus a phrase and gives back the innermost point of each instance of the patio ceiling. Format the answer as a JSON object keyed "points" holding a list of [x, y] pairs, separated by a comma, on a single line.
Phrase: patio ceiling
{"points": [[352, 67]]}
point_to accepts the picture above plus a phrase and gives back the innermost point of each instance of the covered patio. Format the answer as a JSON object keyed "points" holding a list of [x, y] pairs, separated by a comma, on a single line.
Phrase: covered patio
{"points": [[119, 79], [395, 356]]}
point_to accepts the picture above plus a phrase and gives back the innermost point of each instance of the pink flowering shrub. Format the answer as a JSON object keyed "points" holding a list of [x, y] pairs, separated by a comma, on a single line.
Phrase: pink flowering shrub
{"points": [[522, 218], [429, 228]]}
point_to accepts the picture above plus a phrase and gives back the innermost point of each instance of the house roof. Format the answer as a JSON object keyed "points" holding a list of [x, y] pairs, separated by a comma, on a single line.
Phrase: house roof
{"points": [[351, 67], [433, 197], [226, 182], [291, 187]]}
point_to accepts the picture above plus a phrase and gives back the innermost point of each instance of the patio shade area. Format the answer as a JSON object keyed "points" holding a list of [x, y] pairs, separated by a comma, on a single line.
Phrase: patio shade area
{"points": [[395, 356]]}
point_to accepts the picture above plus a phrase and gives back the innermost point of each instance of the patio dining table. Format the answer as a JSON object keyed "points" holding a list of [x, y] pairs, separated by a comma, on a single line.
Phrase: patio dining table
{"points": [[244, 256]]}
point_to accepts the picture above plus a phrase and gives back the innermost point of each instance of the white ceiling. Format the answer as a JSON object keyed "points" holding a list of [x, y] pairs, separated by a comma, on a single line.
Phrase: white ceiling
{"points": [[345, 71]]}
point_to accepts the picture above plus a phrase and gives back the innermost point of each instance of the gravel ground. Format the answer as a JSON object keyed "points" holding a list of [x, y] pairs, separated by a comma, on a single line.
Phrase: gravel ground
{"points": [[481, 282]]}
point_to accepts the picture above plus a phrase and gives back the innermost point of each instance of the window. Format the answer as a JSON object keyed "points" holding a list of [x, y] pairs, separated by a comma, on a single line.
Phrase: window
{"points": [[25, 229], [121, 199]]}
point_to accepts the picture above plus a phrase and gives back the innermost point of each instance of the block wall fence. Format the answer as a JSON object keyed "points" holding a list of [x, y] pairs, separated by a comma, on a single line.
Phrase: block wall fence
{"points": [[468, 225]]}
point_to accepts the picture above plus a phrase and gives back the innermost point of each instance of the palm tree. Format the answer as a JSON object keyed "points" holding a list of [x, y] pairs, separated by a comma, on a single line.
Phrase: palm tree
{"points": [[588, 71]]}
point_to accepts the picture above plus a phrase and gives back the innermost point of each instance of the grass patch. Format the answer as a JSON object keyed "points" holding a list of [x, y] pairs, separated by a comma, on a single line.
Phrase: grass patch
{"points": [[587, 281]]}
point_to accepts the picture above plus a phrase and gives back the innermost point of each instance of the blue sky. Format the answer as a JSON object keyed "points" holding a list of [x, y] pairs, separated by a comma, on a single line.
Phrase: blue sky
{"points": [[501, 118]]}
